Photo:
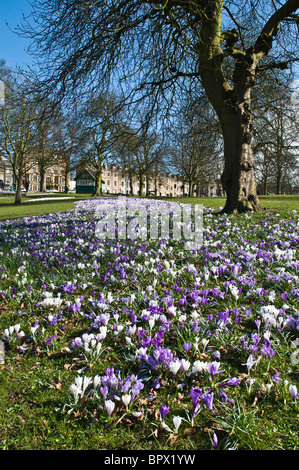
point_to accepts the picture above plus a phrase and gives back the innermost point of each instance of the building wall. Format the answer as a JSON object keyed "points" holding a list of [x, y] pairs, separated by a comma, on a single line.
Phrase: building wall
{"points": [[55, 179], [116, 181]]}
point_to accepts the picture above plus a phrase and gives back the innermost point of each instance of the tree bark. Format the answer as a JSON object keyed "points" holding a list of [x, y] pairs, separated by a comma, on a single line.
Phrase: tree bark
{"points": [[238, 176], [98, 183], [18, 196], [141, 179], [42, 175], [67, 171]]}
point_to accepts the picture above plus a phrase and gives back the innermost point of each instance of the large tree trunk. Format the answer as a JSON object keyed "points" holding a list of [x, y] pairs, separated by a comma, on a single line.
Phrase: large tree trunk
{"points": [[18, 196], [42, 175], [98, 182], [67, 171], [238, 176], [141, 179]]}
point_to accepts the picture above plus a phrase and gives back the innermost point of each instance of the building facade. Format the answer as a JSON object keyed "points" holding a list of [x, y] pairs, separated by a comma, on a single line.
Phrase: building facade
{"points": [[115, 180], [55, 178]]}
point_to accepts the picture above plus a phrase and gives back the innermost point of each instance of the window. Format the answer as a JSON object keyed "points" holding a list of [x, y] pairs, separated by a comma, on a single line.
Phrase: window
{"points": [[108, 182], [115, 183], [84, 182]]}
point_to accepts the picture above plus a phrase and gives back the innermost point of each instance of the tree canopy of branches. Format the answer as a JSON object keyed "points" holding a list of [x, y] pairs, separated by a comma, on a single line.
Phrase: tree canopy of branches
{"points": [[196, 144], [151, 48], [275, 140], [17, 126]]}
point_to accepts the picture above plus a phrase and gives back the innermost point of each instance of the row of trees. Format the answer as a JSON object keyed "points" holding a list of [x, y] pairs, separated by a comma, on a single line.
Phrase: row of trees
{"points": [[157, 53], [35, 131]]}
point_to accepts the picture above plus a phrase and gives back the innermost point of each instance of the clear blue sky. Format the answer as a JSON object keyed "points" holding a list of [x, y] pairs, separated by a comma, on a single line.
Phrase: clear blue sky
{"points": [[12, 47]]}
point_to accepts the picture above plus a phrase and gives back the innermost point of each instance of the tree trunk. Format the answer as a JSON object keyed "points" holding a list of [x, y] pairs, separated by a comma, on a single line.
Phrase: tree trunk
{"points": [[67, 174], [98, 182], [191, 188], [238, 176], [265, 188], [278, 182], [42, 175], [140, 185], [18, 196]]}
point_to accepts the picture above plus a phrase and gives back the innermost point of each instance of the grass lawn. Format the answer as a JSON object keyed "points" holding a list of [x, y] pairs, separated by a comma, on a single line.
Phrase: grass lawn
{"points": [[30, 208], [233, 305]]}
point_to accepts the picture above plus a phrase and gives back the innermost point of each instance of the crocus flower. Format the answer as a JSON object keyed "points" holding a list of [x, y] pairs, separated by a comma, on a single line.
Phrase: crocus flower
{"points": [[293, 392], [176, 422], [207, 399], [212, 368], [163, 411], [174, 367], [187, 347], [109, 405], [195, 394], [126, 400], [250, 362], [214, 441], [233, 382]]}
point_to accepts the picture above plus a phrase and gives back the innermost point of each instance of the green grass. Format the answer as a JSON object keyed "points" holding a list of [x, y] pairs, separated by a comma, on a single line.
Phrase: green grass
{"points": [[28, 207], [8, 210]]}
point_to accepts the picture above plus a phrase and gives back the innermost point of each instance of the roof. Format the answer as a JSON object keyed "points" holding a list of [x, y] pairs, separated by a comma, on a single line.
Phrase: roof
{"points": [[84, 171]]}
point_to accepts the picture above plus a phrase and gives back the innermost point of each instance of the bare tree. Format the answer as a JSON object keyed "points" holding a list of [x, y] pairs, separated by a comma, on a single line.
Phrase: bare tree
{"points": [[276, 136], [196, 143], [100, 125], [44, 152], [17, 127]]}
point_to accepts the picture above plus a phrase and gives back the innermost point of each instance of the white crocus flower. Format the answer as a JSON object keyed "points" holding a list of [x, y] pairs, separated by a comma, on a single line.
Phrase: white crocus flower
{"points": [[174, 367], [176, 422], [126, 400]]}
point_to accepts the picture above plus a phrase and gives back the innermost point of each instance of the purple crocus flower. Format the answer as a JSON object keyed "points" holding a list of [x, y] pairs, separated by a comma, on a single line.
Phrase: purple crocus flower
{"points": [[293, 392], [214, 441], [104, 391], [212, 368], [187, 347], [195, 394], [233, 382], [163, 411], [276, 377], [207, 399]]}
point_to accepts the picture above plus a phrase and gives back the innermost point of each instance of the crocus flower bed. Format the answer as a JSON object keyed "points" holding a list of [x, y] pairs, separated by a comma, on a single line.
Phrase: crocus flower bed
{"points": [[177, 345]]}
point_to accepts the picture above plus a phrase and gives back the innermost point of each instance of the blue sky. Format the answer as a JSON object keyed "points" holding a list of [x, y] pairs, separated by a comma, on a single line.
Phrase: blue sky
{"points": [[12, 47]]}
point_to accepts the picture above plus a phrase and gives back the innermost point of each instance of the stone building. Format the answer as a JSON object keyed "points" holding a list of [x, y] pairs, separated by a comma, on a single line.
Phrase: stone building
{"points": [[55, 178]]}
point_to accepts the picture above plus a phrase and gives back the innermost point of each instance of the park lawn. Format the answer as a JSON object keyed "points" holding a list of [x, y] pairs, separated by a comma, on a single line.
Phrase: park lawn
{"points": [[30, 208]]}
